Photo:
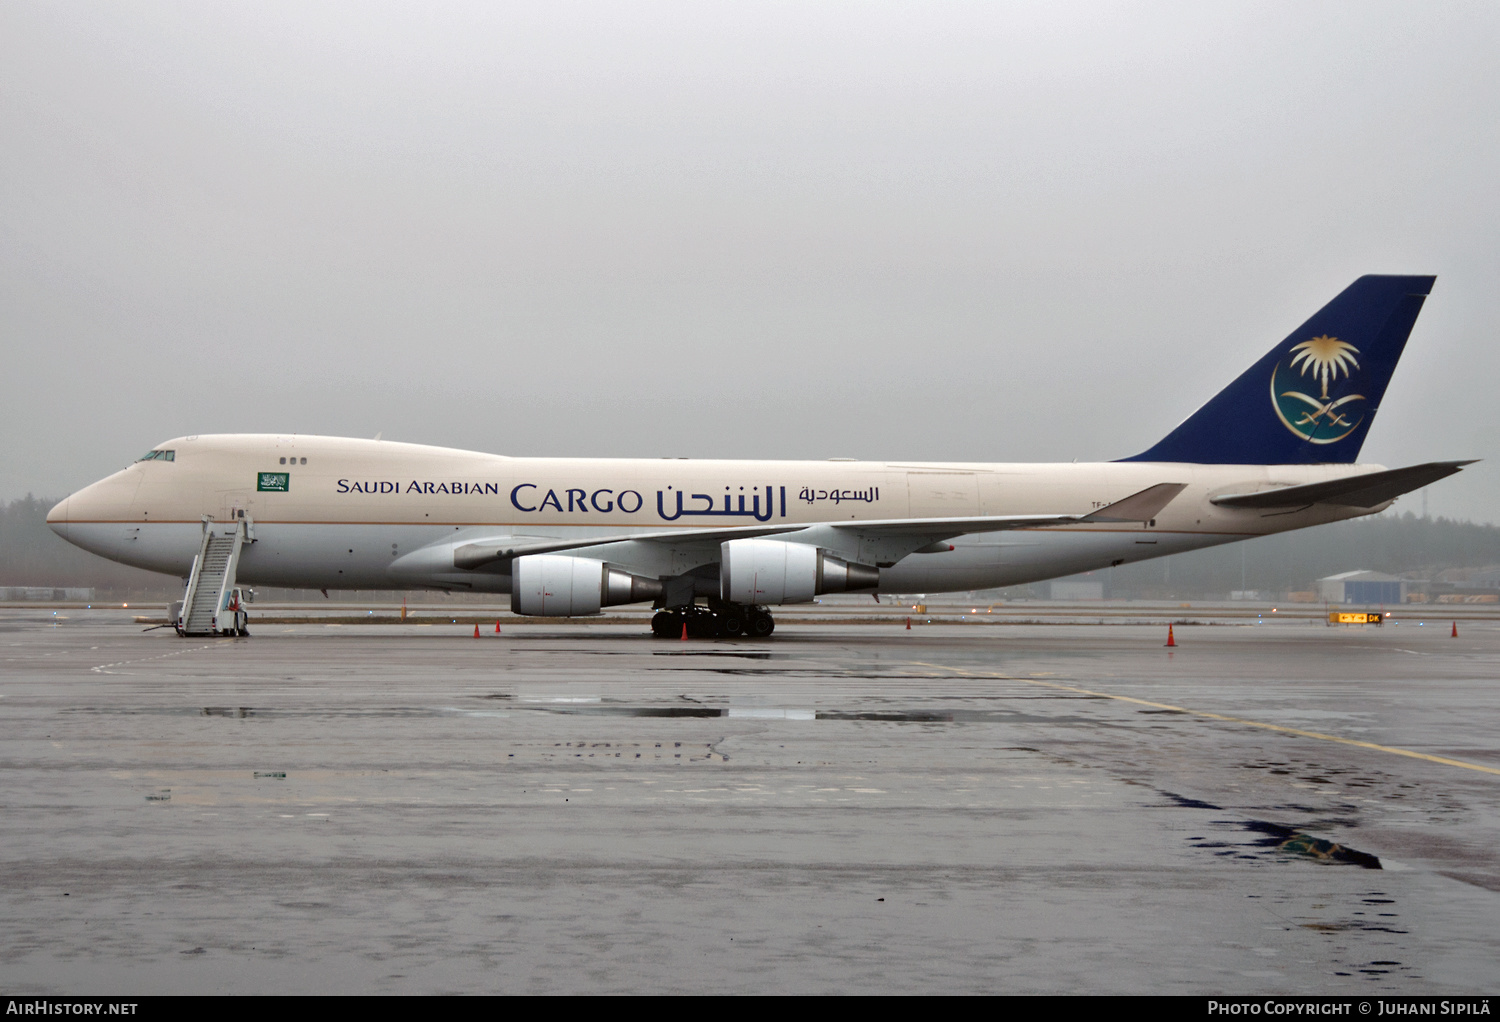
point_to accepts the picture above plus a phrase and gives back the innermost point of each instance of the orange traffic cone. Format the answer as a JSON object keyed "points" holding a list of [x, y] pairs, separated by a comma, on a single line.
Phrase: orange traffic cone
{"points": [[497, 627], [684, 631], [476, 631], [908, 624], [1170, 640], [1455, 630]]}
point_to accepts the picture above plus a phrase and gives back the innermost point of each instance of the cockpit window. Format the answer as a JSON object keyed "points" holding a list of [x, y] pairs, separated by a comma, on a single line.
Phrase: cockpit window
{"points": [[158, 456]]}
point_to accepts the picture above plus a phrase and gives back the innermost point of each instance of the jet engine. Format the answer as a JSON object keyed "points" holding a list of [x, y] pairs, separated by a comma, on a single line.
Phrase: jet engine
{"points": [[555, 585], [755, 571]]}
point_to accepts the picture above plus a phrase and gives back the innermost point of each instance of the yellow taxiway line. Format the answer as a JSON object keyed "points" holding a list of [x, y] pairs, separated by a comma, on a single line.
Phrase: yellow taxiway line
{"points": [[1217, 716]]}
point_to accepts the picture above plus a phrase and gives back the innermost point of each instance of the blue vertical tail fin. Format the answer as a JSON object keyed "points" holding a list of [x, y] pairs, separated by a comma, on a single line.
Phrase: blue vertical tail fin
{"points": [[1312, 398]]}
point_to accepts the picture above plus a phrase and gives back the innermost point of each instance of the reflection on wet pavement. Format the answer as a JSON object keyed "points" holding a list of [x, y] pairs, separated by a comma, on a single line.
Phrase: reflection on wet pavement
{"points": [[862, 809]]}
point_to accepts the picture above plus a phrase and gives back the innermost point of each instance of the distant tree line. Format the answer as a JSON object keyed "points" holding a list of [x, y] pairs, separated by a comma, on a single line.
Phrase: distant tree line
{"points": [[1396, 544], [32, 554]]}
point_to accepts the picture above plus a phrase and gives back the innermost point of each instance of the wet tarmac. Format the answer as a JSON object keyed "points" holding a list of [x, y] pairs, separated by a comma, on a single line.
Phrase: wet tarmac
{"points": [[582, 808]]}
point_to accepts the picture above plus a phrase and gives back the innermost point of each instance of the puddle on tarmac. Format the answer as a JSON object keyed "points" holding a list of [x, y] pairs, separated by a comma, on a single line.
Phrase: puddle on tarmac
{"points": [[719, 652], [1274, 837], [1295, 842], [917, 716], [1281, 841], [825, 673], [1189, 803], [595, 706], [630, 711], [167, 711], [245, 712], [746, 655], [799, 713]]}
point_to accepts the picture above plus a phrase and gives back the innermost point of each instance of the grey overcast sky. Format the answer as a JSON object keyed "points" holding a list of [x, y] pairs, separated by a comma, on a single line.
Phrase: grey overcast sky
{"points": [[980, 232]]}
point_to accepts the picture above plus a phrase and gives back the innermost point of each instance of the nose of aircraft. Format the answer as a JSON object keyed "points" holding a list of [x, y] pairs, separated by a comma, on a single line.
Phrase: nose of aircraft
{"points": [[57, 518]]}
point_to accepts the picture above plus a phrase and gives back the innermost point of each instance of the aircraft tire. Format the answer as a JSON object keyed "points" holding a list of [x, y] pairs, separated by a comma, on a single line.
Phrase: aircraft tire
{"points": [[702, 625], [666, 625], [731, 624], [761, 624]]}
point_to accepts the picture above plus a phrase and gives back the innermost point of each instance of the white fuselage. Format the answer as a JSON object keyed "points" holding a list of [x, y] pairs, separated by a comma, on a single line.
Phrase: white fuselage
{"points": [[367, 514]]}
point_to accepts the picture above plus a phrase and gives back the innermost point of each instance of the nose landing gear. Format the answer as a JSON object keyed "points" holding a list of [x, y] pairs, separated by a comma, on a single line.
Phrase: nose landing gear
{"points": [[717, 621]]}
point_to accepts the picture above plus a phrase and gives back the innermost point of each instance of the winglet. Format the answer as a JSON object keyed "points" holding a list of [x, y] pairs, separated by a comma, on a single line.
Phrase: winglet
{"points": [[1138, 507]]}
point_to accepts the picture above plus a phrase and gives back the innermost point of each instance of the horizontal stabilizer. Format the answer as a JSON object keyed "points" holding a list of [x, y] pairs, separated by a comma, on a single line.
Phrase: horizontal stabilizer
{"points": [[1369, 490]]}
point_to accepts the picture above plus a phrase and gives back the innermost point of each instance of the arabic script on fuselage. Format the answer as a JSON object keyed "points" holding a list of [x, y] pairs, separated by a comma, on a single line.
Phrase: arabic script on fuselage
{"points": [[703, 505], [759, 503], [814, 496]]}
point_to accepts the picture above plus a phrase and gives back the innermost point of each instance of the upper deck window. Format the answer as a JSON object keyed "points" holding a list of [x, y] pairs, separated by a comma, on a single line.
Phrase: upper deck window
{"points": [[158, 456]]}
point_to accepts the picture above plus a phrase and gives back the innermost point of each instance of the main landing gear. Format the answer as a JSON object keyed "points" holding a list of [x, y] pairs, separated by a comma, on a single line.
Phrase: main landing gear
{"points": [[718, 620]]}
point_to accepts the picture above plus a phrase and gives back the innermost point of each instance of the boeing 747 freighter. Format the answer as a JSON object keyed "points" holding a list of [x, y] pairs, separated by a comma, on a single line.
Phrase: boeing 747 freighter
{"points": [[714, 544]]}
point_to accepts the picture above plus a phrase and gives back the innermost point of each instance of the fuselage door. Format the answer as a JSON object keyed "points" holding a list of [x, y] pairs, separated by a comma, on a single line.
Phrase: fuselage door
{"points": [[234, 504]]}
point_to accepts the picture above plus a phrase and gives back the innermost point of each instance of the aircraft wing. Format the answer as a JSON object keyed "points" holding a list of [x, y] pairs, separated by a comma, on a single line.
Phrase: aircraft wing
{"points": [[504, 548], [910, 533], [1354, 491], [885, 543], [1138, 507]]}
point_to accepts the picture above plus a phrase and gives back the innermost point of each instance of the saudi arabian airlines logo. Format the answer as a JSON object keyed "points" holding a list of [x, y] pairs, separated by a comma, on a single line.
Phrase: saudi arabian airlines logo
{"points": [[1317, 364]]}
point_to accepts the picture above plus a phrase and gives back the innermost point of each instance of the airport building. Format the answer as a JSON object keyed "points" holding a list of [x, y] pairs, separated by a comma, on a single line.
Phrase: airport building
{"points": [[1075, 589], [69, 594], [1365, 588]]}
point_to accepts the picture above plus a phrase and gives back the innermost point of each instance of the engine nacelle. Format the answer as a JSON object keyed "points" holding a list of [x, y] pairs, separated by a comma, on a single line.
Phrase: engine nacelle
{"points": [[555, 585], [755, 571]]}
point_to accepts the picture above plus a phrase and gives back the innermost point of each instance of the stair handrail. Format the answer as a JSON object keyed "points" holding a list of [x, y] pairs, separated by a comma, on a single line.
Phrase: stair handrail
{"points": [[198, 561], [231, 566]]}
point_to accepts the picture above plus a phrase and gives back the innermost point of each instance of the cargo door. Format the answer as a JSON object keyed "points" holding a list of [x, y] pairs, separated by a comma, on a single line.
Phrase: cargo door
{"points": [[935, 494]]}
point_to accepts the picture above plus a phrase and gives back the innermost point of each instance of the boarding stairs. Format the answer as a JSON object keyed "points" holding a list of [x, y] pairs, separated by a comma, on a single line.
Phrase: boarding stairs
{"points": [[211, 603]]}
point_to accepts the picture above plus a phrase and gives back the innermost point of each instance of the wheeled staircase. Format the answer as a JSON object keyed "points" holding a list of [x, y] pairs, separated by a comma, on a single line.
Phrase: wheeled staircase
{"points": [[210, 604]]}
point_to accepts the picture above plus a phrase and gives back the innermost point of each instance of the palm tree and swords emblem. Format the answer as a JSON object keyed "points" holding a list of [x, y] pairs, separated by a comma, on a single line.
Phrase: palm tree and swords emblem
{"points": [[1325, 359]]}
